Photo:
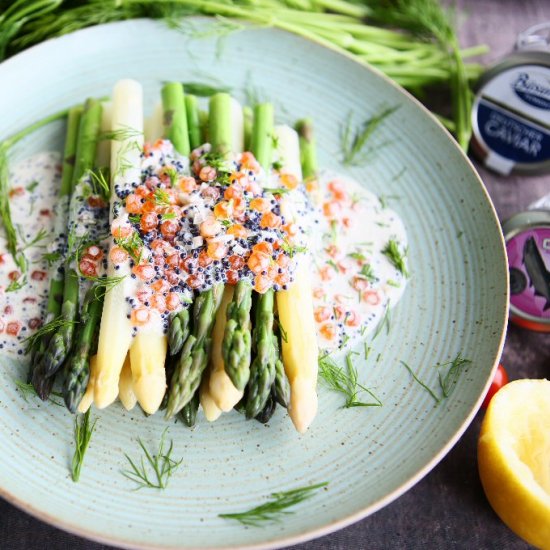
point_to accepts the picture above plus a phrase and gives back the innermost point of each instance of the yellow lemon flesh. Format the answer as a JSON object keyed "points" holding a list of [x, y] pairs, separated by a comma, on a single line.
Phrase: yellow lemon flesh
{"points": [[514, 458]]}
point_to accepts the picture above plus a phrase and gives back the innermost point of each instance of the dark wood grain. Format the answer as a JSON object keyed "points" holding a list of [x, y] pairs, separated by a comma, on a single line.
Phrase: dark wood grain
{"points": [[447, 509]]}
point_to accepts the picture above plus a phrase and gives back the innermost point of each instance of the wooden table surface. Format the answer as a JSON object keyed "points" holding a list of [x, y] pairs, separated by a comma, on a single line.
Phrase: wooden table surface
{"points": [[447, 509]]}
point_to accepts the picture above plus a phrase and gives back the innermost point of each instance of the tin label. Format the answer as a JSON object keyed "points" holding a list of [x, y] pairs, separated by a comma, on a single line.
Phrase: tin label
{"points": [[534, 89], [512, 136], [512, 118], [529, 263]]}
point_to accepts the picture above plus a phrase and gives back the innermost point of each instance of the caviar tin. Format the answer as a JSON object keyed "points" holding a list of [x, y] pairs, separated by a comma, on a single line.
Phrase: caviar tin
{"points": [[527, 238], [511, 110]]}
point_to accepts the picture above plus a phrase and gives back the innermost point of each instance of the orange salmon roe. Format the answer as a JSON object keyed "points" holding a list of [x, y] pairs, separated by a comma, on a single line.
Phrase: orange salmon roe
{"points": [[139, 316]]}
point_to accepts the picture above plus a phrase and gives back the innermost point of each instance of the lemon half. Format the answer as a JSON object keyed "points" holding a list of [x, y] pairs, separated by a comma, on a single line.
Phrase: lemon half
{"points": [[514, 458]]}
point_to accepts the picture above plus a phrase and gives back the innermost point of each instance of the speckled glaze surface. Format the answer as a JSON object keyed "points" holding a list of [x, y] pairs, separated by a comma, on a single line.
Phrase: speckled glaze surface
{"points": [[456, 301]]}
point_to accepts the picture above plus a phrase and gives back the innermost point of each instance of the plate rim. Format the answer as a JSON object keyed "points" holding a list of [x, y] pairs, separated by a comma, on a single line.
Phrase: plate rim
{"points": [[339, 524]]}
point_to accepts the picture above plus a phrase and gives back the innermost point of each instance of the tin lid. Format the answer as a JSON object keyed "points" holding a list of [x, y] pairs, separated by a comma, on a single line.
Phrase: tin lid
{"points": [[511, 113], [527, 237]]}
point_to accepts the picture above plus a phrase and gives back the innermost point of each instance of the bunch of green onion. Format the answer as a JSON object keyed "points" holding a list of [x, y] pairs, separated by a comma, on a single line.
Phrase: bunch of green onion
{"points": [[412, 41]]}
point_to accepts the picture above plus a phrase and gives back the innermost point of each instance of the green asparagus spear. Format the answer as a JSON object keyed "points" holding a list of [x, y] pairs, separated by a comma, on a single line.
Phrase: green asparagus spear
{"points": [[194, 354], [308, 151], [78, 365], [189, 412], [61, 342], [55, 296], [263, 368], [193, 121], [178, 331], [281, 385], [237, 340], [264, 416], [175, 117]]}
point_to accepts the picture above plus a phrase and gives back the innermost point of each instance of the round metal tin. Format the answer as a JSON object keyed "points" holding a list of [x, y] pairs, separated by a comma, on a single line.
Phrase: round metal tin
{"points": [[511, 115], [527, 237]]}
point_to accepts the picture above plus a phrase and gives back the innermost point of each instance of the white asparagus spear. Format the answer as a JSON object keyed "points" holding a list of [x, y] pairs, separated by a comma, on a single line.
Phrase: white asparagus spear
{"points": [[148, 349], [220, 388], [115, 334], [153, 125], [126, 392], [211, 410], [295, 308]]}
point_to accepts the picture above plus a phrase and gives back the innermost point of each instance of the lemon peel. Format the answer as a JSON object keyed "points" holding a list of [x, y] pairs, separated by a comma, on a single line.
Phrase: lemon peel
{"points": [[514, 458]]}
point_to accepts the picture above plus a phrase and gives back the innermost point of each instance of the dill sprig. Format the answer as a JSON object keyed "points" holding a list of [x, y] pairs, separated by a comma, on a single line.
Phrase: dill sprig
{"points": [[353, 141], [155, 471], [28, 390], [395, 256], [421, 383], [276, 508], [132, 244], [51, 258], [39, 237], [161, 197], [82, 435], [345, 380], [32, 341], [368, 272], [16, 285], [447, 381], [103, 285], [120, 134], [385, 322], [100, 183]]}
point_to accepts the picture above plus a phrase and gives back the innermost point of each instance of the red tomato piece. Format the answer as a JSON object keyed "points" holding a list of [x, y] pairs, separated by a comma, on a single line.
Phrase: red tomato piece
{"points": [[500, 379]]}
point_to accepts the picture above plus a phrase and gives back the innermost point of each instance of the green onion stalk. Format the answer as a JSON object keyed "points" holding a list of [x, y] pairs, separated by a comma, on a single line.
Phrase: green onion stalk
{"points": [[408, 40]]}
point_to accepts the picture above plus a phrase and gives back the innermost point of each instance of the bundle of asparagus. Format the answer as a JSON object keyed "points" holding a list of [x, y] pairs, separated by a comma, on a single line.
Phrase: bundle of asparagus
{"points": [[171, 335]]}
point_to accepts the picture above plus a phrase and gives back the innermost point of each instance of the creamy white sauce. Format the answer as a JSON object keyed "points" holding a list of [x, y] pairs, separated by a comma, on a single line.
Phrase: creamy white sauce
{"points": [[34, 185], [354, 282]]}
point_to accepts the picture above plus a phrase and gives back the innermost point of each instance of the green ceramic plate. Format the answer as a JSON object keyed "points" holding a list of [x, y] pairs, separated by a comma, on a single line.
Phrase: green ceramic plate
{"points": [[456, 302]]}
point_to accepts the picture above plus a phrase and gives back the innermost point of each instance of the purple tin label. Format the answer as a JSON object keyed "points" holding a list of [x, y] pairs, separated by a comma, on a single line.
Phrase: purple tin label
{"points": [[529, 262]]}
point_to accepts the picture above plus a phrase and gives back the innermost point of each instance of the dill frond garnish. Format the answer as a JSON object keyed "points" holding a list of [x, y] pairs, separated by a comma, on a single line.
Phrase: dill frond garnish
{"points": [[155, 471], [277, 190], [385, 322], [51, 258], [102, 285], [367, 272], [421, 384], [100, 183], [395, 256], [353, 141], [132, 244], [32, 186], [276, 508], [344, 380], [448, 380], [27, 391], [16, 285], [384, 199], [39, 237], [32, 341], [82, 435], [120, 134]]}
